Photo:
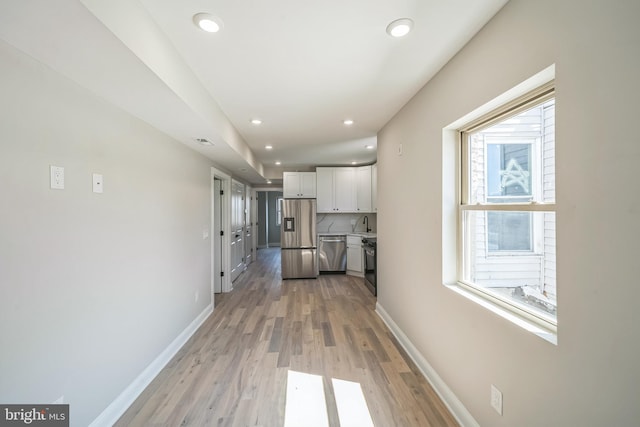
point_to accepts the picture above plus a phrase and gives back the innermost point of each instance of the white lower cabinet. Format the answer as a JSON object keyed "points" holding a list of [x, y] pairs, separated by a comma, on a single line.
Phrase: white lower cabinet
{"points": [[355, 255]]}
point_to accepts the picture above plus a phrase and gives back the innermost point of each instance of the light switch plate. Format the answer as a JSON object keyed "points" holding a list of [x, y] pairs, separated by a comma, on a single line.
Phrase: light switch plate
{"points": [[57, 178], [496, 399], [97, 183]]}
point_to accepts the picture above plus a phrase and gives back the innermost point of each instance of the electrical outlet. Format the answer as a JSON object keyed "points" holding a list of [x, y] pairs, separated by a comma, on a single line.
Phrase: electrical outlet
{"points": [[496, 399], [98, 182], [197, 296], [399, 149], [57, 178]]}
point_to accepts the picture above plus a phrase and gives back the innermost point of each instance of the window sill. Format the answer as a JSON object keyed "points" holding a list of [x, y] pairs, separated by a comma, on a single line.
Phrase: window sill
{"points": [[510, 315]]}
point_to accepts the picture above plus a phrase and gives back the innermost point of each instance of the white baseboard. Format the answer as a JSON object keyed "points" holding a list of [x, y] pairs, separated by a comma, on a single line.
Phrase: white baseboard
{"points": [[114, 411], [455, 406]]}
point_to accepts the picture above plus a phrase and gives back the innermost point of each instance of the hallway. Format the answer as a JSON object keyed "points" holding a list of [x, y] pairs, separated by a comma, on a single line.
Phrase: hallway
{"points": [[234, 370]]}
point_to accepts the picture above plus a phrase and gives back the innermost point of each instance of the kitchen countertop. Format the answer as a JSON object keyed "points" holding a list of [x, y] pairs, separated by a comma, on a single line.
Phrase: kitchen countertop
{"points": [[347, 233]]}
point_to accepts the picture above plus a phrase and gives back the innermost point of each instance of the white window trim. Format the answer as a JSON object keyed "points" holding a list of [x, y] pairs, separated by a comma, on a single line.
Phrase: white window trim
{"points": [[279, 201], [524, 103], [451, 227], [535, 166]]}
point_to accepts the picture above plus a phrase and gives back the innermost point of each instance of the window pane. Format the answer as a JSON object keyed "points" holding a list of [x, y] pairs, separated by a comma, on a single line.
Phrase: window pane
{"points": [[509, 231], [513, 161], [509, 171], [526, 279]]}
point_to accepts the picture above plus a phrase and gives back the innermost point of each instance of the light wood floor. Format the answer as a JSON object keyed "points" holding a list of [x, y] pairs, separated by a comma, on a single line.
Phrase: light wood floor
{"points": [[233, 371]]}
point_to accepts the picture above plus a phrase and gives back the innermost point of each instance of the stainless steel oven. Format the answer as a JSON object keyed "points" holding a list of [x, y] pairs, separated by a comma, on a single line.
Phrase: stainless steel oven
{"points": [[370, 275]]}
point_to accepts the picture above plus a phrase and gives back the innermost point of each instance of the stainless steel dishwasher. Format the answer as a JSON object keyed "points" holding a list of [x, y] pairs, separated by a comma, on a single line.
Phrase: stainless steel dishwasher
{"points": [[332, 253]]}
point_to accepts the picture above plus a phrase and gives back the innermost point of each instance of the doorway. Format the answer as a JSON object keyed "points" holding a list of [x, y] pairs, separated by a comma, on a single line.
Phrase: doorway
{"points": [[217, 235], [220, 231], [269, 217]]}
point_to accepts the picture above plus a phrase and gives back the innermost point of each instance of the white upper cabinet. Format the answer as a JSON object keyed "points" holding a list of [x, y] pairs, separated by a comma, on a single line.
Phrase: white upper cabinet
{"points": [[324, 187], [374, 188], [299, 185], [308, 184], [344, 189], [336, 189], [363, 189]]}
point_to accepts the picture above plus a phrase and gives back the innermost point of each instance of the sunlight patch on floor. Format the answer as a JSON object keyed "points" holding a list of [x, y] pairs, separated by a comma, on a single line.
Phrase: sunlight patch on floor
{"points": [[352, 406], [306, 405]]}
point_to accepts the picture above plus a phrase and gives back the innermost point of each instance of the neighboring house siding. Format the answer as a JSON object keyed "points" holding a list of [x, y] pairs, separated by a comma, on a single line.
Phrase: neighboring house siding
{"points": [[494, 269], [549, 195]]}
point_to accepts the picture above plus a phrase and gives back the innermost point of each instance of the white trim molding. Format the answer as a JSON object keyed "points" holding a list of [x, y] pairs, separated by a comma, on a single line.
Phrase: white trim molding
{"points": [[114, 411], [455, 406]]}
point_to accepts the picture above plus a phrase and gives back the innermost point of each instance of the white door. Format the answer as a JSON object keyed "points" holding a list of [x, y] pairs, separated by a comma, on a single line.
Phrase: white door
{"points": [[248, 226], [217, 236], [237, 232]]}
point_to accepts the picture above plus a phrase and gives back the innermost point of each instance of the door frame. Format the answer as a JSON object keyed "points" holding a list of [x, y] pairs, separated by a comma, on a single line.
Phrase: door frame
{"points": [[226, 227], [255, 191]]}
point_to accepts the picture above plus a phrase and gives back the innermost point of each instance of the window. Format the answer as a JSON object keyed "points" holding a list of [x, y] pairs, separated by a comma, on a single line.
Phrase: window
{"points": [[279, 202], [509, 178], [506, 215]]}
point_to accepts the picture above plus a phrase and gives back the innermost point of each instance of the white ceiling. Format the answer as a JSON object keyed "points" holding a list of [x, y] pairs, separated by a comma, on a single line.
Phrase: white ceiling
{"points": [[302, 67]]}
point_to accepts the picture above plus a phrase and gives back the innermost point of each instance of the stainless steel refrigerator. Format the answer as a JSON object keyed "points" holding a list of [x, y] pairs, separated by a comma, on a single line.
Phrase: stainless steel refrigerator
{"points": [[298, 239]]}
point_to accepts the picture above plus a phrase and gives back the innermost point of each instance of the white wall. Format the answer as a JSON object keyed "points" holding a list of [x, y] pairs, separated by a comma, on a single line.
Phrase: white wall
{"points": [[93, 286], [592, 377]]}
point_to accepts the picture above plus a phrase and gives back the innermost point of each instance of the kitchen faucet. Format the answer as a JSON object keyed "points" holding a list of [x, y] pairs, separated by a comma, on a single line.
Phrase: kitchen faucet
{"points": [[366, 220]]}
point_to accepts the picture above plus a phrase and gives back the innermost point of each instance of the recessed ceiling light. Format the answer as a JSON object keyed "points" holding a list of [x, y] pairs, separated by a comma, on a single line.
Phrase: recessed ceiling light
{"points": [[278, 163], [207, 22], [369, 147], [268, 147], [256, 121], [400, 27], [348, 122], [268, 182], [354, 163]]}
